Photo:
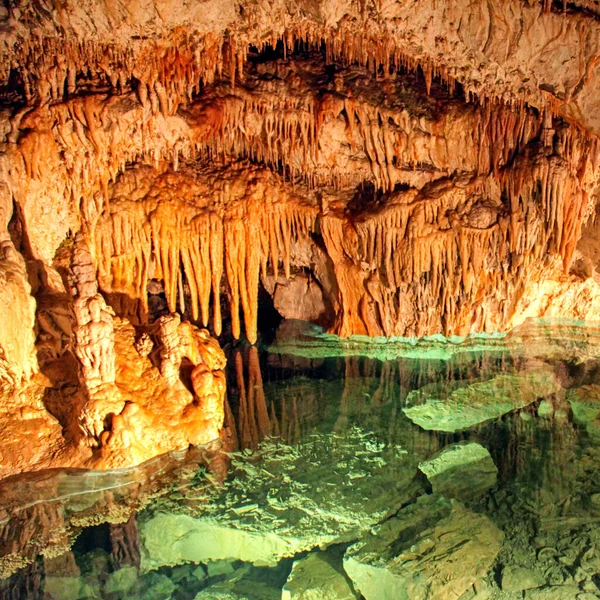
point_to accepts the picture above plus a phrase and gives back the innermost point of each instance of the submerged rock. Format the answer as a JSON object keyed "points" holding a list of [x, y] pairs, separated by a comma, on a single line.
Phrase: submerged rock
{"points": [[71, 588], [434, 548], [585, 404], [452, 406], [560, 592], [121, 581], [316, 578], [284, 500], [464, 470], [171, 539], [241, 584], [518, 579]]}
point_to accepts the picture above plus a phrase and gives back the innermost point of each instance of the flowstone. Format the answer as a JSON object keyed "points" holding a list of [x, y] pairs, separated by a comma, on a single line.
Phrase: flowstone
{"points": [[463, 471], [283, 500], [434, 548], [453, 406]]}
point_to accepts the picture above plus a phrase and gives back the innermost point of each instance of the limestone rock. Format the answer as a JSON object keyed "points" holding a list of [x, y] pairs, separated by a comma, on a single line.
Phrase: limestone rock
{"points": [[481, 590], [316, 578], [71, 588], [286, 499], [240, 584], [219, 567], [18, 361], [463, 471], [161, 414], [455, 407], [517, 579], [121, 581], [299, 298], [157, 587], [434, 548], [560, 592]]}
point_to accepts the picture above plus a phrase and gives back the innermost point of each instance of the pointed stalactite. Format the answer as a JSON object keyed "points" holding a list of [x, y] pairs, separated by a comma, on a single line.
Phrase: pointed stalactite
{"points": [[183, 244]]}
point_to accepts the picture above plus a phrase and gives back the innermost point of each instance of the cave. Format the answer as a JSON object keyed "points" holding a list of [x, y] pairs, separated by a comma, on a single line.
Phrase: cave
{"points": [[300, 298]]}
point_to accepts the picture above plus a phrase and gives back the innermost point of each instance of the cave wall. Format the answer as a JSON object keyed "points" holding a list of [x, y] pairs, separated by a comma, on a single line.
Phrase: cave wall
{"points": [[382, 168]]}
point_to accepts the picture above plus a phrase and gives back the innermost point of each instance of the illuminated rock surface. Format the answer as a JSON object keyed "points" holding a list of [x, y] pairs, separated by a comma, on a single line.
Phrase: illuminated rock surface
{"points": [[433, 548], [287, 499], [464, 470], [442, 407], [316, 578]]}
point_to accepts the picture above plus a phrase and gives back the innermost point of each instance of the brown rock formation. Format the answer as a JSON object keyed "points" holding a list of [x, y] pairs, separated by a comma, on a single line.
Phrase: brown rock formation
{"points": [[380, 168]]}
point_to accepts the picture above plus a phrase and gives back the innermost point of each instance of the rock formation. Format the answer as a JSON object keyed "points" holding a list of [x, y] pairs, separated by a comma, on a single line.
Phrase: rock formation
{"points": [[378, 168]]}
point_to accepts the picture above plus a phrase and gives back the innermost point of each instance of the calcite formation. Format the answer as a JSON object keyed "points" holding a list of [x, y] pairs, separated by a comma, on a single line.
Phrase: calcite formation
{"points": [[379, 168]]}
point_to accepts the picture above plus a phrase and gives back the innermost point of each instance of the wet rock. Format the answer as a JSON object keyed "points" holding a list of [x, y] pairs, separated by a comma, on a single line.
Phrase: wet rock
{"points": [[480, 590], [158, 587], [199, 573], [316, 578], [242, 584], [434, 548], [121, 581], [219, 567], [283, 500], [215, 594], [454, 406], [559, 592], [205, 541], [464, 471], [517, 579], [70, 588]]}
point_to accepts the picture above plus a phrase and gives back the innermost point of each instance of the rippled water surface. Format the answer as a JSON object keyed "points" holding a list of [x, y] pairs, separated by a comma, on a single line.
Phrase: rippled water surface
{"points": [[346, 470]]}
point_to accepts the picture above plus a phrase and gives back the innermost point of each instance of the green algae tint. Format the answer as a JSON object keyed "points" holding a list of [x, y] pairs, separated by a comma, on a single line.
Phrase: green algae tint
{"points": [[451, 469]]}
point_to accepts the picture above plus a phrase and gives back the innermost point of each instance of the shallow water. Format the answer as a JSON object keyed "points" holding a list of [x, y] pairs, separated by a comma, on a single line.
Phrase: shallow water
{"points": [[319, 470]]}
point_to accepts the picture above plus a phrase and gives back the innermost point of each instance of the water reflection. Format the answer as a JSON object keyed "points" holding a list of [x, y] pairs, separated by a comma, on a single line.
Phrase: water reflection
{"points": [[314, 452]]}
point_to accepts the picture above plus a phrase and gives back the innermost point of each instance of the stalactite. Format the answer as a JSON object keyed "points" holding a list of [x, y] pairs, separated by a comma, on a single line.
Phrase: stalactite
{"points": [[169, 239], [446, 261]]}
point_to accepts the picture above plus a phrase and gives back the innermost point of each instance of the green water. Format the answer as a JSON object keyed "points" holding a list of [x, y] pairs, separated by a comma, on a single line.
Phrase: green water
{"points": [[466, 470]]}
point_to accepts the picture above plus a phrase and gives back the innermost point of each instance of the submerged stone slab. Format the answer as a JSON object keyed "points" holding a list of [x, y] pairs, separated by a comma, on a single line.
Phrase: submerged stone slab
{"points": [[316, 578], [517, 579], [434, 548], [559, 592], [464, 471], [282, 500], [177, 539], [585, 403], [452, 406], [70, 588], [241, 584]]}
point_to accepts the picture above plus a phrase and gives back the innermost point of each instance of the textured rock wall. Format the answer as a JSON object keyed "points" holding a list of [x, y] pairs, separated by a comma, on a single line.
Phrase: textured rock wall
{"points": [[522, 50], [407, 168]]}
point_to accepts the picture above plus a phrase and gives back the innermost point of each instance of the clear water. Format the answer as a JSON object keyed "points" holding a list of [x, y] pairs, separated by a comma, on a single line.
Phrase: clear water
{"points": [[320, 462]]}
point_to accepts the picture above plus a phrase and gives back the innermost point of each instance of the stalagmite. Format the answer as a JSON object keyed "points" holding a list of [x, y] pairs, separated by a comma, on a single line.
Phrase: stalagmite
{"points": [[94, 344]]}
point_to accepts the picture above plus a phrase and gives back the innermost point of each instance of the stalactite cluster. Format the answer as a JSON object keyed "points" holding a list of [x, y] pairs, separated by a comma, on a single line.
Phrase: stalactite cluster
{"points": [[218, 225], [425, 262], [407, 168]]}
